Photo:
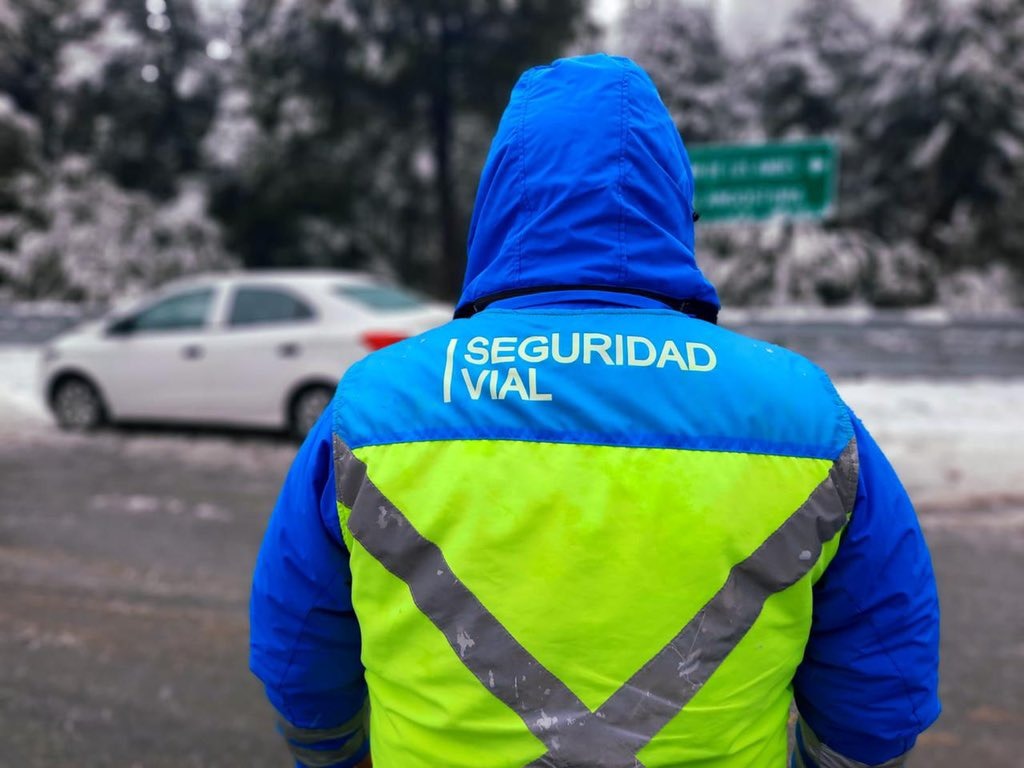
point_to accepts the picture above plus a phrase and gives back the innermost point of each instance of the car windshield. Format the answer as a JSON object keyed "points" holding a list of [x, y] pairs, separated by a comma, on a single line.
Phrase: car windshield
{"points": [[384, 298], [183, 311]]}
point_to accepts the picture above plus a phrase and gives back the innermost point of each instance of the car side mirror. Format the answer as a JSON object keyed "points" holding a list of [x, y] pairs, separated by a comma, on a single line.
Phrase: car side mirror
{"points": [[123, 327]]}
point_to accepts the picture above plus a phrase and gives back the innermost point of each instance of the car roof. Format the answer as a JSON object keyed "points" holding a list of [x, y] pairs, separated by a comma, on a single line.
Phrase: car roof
{"points": [[277, 276]]}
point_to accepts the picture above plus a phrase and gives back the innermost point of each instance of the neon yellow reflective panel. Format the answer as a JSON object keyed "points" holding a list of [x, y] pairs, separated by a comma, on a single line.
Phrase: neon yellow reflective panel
{"points": [[593, 557], [746, 703], [426, 709]]}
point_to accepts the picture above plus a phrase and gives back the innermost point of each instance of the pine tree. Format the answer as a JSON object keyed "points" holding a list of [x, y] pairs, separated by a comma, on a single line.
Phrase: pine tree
{"points": [[680, 47], [139, 90], [940, 130], [362, 108], [803, 82], [992, 226], [112, 98]]}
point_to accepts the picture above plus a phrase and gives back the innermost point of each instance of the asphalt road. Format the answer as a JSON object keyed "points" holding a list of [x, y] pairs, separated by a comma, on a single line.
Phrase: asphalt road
{"points": [[124, 566], [888, 345]]}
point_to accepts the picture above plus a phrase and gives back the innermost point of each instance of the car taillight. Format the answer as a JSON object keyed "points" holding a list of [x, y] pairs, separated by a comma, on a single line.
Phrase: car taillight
{"points": [[374, 340]]}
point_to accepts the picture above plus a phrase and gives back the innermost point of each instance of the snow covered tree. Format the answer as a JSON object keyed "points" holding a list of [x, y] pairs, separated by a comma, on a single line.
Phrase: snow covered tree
{"points": [[361, 106], [103, 105], [306, 150], [139, 90], [940, 131], [32, 34], [681, 49], [125, 81], [86, 238], [988, 220], [19, 163], [804, 83]]}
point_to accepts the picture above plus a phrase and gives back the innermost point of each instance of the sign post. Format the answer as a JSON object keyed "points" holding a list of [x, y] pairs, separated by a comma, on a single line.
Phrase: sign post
{"points": [[754, 182]]}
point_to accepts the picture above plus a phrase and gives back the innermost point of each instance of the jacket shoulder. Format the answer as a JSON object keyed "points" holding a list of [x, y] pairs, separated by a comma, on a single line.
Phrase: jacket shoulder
{"points": [[782, 383], [386, 381]]}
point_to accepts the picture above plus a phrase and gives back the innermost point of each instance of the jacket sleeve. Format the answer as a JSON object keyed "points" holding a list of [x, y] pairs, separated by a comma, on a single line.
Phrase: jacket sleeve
{"points": [[304, 638], [868, 683]]}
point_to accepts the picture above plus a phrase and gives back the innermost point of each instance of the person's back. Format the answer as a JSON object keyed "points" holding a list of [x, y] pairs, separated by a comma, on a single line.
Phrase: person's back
{"points": [[583, 527]]}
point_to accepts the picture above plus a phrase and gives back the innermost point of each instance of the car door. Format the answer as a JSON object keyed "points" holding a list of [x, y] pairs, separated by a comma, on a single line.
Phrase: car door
{"points": [[258, 353], [154, 366]]}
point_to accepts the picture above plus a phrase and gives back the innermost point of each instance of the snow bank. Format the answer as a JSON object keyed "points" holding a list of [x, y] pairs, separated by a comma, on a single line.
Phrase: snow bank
{"points": [[955, 444], [19, 400]]}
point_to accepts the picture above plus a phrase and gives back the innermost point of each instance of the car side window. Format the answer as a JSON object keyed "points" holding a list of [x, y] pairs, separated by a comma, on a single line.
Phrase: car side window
{"points": [[183, 311], [257, 306], [383, 298]]}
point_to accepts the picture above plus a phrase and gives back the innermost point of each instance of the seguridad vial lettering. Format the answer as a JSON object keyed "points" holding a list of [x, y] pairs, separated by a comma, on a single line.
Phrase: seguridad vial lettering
{"points": [[481, 365]]}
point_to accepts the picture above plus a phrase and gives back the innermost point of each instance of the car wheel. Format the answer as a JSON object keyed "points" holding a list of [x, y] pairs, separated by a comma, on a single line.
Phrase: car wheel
{"points": [[77, 405], [307, 407]]}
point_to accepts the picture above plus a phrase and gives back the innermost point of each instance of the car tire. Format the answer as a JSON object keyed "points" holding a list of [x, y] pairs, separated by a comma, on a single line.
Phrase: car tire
{"points": [[77, 405], [307, 405]]}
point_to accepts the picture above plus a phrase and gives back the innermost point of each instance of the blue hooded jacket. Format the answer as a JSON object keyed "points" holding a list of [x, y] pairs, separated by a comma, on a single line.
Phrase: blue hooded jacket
{"points": [[569, 200], [586, 202]]}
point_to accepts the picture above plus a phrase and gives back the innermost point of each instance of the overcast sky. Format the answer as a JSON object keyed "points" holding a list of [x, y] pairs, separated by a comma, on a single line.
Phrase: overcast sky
{"points": [[746, 22]]}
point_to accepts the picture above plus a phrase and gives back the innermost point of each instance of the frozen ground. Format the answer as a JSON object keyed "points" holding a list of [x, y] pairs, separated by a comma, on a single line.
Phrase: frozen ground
{"points": [[955, 444]]}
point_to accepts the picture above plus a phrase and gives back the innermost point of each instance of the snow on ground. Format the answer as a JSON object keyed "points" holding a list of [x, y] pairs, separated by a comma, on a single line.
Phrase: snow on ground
{"points": [[19, 371], [958, 445]]}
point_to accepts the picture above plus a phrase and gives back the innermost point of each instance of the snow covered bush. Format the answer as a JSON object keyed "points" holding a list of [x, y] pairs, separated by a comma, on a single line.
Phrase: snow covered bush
{"points": [[802, 263], [95, 240], [738, 260], [981, 290], [829, 267], [902, 275]]}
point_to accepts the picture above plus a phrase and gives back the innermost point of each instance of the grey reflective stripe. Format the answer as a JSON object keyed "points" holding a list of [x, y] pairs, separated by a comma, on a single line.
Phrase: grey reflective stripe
{"points": [[666, 683], [633, 715], [301, 741], [324, 758], [352, 726], [825, 757]]}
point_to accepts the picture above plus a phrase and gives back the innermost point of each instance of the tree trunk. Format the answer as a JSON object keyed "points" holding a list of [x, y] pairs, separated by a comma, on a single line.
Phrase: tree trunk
{"points": [[451, 266]]}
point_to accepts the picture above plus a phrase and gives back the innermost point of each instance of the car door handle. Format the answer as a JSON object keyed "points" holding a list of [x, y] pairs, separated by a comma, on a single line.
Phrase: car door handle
{"points": [[192, 352], [288, 349]]}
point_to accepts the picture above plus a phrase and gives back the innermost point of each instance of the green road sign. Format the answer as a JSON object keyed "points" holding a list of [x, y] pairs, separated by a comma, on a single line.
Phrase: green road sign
{"points": [[760, 181]]}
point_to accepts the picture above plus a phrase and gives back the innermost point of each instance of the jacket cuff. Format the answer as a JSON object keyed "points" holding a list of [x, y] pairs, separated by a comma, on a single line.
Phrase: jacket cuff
{"points": [[811, 752], [339, 746]]}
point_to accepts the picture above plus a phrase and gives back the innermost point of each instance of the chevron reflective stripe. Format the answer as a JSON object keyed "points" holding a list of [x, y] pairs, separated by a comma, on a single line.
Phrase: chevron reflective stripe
{"points": [[611, 736], [810, 752], [507, 669]]}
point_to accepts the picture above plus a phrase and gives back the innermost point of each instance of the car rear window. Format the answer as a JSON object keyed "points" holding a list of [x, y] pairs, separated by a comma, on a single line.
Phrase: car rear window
{"points": [[385, 298]]}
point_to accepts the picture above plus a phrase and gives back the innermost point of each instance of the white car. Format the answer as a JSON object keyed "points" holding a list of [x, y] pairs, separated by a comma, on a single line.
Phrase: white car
{"points": [[259, 349]]}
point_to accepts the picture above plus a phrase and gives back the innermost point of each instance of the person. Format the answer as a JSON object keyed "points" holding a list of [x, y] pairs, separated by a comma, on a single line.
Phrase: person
{"points": [[583, 525]]}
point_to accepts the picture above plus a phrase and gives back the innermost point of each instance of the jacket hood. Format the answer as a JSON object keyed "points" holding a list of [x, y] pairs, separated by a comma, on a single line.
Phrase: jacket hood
{"points": [[587, 184]]}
